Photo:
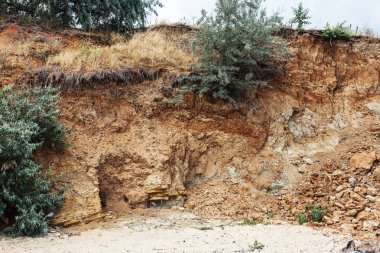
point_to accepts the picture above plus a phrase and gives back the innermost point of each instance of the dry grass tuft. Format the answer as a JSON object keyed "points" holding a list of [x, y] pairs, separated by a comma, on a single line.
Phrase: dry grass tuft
{"points": [[21, 53], [87, 58], [148, 50]]}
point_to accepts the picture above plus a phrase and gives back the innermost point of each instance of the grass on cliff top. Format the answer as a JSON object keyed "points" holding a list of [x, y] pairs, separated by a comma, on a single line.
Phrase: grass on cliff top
{"points": [[22, 53], [147, 50]]}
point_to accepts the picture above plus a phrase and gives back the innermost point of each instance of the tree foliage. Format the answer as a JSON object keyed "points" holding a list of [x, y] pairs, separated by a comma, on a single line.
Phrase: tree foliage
{"points": [[115, 15], [237, 49], [301, 16], [28, 122]]}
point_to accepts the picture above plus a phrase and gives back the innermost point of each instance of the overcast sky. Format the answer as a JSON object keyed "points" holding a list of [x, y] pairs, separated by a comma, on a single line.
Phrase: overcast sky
{"points": [[356, 12]]}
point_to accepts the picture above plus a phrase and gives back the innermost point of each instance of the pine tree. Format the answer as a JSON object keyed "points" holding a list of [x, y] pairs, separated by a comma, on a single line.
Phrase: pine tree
{"points": [[237, 49], [301, 16]]}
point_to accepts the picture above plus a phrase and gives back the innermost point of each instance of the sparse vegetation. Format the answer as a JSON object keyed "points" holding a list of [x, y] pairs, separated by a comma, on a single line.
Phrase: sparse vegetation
{"points": [[301, 16], [367, 31], [271, 215], [205, 228], [302, 218], [257, 245], [29, 121], [338, 32], [248, 222], [313, 213], [237, 50], [150, 49]]}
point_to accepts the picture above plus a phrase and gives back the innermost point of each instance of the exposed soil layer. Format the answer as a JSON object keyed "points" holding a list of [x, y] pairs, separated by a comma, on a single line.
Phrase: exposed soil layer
{"points": [[311, 138]]}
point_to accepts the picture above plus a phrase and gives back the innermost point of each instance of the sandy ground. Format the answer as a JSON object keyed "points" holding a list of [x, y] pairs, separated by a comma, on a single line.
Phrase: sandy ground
{"points": [[181, 233]]}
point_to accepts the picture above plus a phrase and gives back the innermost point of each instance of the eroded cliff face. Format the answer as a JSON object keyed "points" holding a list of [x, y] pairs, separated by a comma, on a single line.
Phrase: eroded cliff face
{"points": [[132, 149]]}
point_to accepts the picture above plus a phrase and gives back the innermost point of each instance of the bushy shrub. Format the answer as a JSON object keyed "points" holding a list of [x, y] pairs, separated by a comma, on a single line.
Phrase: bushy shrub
{"points": [[338, 32], [237, 50], [29, 120]]}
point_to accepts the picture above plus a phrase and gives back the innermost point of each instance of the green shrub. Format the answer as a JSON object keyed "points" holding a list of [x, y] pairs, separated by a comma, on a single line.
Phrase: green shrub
{"points": [[29, 121], [302, 218], [313, 213], [317, 213], [338, 32], [237, 50]]}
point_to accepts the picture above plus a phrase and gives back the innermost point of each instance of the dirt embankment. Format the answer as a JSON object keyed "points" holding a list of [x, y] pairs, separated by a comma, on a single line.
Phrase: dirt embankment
{"points": [[312, 137]]}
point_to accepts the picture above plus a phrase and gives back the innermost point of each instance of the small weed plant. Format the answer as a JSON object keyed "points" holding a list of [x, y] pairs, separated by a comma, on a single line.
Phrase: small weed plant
{"points": [[249, 222], [271, 215], [317, 213], [257, 245], [205, 228], [302, 218], [313, 213], [338, 32]]}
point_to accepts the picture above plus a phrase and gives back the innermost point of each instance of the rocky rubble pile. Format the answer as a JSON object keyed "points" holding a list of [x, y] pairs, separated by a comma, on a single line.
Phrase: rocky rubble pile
{"points": [[351, 194]]}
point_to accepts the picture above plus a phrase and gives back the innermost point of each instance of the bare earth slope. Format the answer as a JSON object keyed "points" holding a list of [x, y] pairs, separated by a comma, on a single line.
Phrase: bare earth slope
{"points": [[311, 138]]}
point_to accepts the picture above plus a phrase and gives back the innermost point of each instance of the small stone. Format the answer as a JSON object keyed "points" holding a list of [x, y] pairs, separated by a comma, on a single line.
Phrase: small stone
{"points": [[340, 205], [347, 227], [359, 190], [352, 212], [364, 215], [302, 169], [352, 181], [372, 191], [337, 173], [371, 198], [340, 188], [307, 160], [363, 161], [371, 224], [336, 219], [356, 197]]}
